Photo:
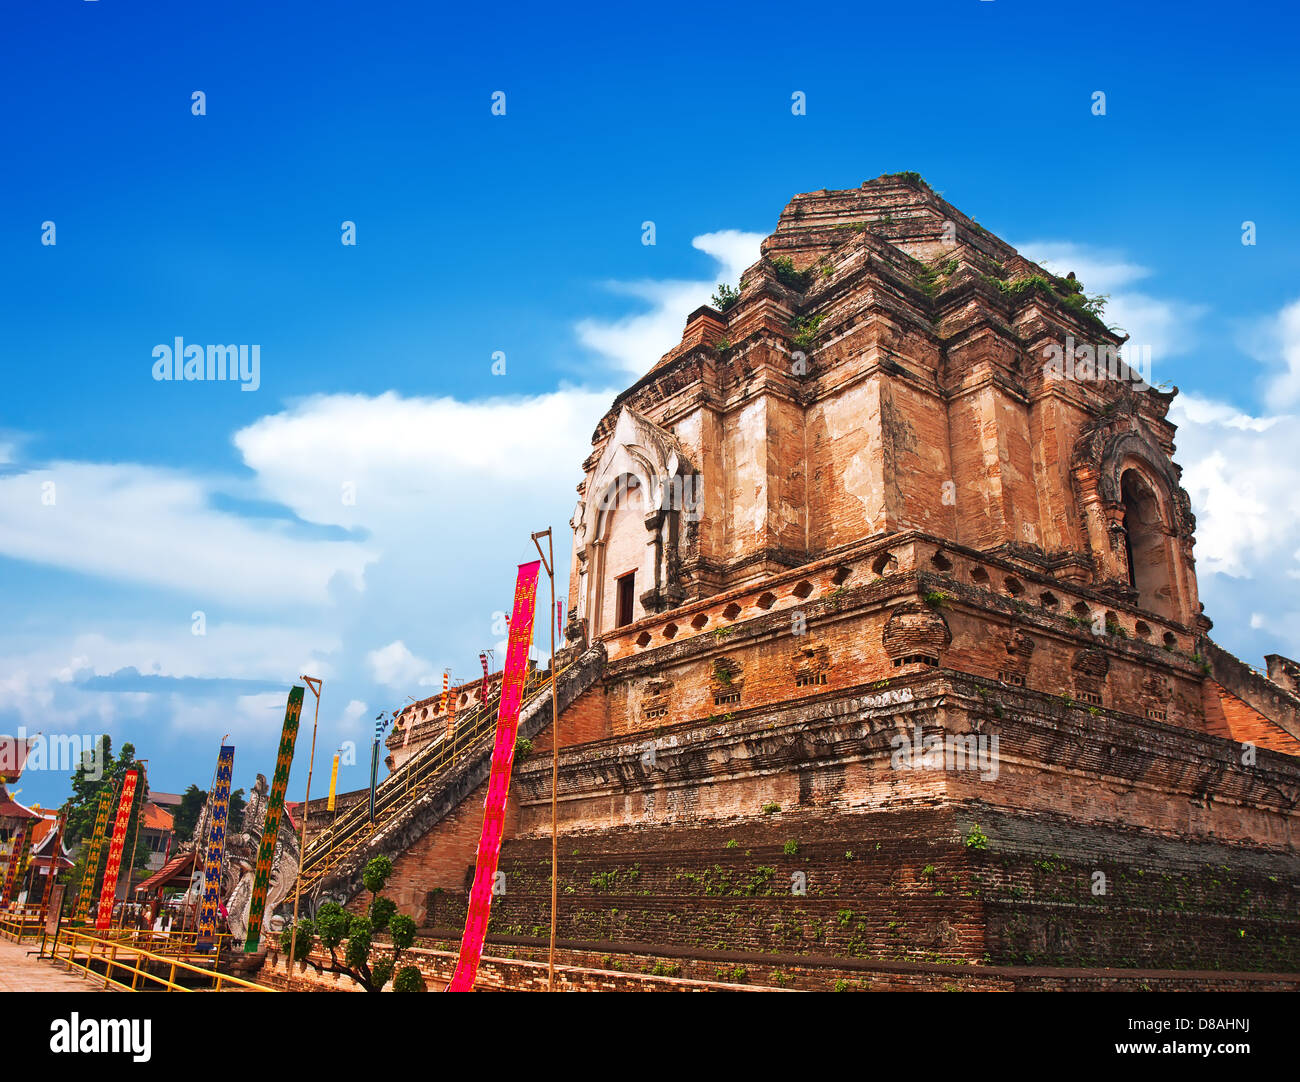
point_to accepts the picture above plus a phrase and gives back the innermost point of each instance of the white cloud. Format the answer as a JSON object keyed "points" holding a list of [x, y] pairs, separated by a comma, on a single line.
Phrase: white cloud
{"points": [[1167, 326], [1276, 344], [395, 666], [408, 459], [634, 343], [1242, 475], [157, 527], [44, 684]]}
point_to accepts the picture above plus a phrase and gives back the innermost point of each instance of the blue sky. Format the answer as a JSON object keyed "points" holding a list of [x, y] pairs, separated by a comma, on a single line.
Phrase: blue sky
{"points": [[522, 234]]}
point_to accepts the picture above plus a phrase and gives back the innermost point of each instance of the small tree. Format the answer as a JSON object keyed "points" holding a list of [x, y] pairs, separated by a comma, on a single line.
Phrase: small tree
{"points": [[335, 927]]}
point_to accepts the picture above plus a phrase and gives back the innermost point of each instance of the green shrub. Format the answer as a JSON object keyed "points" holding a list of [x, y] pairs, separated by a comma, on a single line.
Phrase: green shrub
{"points": [[784, 269], [408, 979], [381, 912], [725, 296]]}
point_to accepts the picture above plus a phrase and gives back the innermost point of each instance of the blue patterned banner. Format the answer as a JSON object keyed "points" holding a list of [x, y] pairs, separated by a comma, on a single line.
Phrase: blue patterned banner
{"points": [[216, 850]]}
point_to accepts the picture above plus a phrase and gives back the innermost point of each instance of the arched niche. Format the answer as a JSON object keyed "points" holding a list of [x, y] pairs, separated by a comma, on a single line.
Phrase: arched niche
{"points": [[1148, 546], [627, 527], [1137, 518]]}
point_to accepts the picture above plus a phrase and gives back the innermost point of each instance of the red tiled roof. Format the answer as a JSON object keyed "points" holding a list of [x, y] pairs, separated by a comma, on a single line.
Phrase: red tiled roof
{"points": [[177, 870], [11, 809], [156, 818]]}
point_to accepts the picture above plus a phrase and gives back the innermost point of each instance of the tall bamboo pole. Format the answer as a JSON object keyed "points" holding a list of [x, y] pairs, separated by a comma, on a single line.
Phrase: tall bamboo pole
{"points": [[548, 561], [315, 685]]}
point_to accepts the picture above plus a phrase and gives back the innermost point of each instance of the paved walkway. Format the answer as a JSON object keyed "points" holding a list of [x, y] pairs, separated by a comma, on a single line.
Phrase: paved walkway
{"points": [[20, 972]]}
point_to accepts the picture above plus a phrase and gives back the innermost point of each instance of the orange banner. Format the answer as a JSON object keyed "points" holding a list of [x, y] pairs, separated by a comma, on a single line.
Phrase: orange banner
{"points": [[115, 847], [503, 757]]}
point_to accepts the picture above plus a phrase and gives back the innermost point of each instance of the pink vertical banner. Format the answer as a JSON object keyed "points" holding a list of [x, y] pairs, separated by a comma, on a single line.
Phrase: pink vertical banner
{"points": [[503, 758]]}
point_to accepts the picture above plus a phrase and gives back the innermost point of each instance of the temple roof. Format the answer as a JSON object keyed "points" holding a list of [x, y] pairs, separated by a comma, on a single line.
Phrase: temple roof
{"points": [[11, 809]]}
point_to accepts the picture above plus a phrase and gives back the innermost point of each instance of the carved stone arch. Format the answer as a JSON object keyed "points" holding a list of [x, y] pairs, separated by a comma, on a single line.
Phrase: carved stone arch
{"points": [[1158, 574], [613, 497], [1133, 451], [636, 448]]}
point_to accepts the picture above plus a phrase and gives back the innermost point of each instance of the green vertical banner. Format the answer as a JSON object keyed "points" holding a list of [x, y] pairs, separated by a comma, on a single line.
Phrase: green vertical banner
{"points": [[93, 852], [274, 809]]}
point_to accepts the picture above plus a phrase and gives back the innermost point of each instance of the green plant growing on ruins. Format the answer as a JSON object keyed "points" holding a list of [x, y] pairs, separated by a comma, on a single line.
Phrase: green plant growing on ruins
{"points": [[779, 978], [841, 985], [977, 839], [935, 598], [771, 807], [725, 296], [721, 632], [927, 872], [927, 279], [805, 330], [731, 844], [790, 848], [784, 269], [523, 748], [721, 345], [335, 927]]}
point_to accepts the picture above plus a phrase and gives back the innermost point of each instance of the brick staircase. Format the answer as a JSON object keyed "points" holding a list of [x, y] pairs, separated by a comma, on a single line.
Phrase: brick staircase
{"points": [[430, 784]]}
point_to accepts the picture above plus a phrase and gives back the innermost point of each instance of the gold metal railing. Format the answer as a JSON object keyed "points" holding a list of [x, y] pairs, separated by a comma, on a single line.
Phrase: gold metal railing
{"points": [[21, 921], [173, 944], [119, 958], [329, 849]]}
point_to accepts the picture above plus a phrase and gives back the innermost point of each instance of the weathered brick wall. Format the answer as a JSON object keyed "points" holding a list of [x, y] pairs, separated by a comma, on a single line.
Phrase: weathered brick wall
{"points": [[440, 858], [585, 721], [845, 467], [899, 886], [874, 888]]}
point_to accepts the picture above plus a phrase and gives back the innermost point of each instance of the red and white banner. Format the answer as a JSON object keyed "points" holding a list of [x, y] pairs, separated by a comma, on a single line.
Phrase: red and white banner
{"points": [[503, 757], [114, 864]]}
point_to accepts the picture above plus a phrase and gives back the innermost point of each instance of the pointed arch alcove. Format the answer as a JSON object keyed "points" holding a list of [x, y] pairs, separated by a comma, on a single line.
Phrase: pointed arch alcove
{"points": [[628, 526], [1137, 517]]}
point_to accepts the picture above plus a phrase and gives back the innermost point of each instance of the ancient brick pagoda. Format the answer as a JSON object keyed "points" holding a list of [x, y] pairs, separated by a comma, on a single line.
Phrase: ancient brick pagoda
{"points": [[884, 653]]}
